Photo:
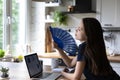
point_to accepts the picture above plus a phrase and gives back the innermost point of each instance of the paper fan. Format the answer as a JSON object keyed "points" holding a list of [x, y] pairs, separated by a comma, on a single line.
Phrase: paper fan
{"points": [[64, 40]]}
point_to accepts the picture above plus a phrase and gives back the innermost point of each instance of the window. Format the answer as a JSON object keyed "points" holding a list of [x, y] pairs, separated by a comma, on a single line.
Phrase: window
{"points": [[17, 30], [15, 22], [1, 24], [12, 33]]}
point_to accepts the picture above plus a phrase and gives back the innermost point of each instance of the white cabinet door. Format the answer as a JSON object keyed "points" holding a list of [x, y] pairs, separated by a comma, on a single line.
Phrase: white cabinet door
{"points": [[108, 13], [117, 13]]}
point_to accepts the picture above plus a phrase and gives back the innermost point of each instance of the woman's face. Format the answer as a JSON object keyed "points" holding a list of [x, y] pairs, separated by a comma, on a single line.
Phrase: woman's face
{"points": [[80, 32]]}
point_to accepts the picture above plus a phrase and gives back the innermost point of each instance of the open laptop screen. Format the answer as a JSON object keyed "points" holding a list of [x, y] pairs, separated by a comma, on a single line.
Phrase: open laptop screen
{"points": [[33, 64]]}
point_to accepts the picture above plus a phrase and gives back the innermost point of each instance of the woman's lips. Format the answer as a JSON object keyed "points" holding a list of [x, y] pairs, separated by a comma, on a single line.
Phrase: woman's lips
{"points": [[75, 34]]}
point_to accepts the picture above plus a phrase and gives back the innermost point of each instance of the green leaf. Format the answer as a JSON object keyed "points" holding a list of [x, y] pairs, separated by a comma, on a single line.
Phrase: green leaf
{"points": [[2, 53], [59, 18]]}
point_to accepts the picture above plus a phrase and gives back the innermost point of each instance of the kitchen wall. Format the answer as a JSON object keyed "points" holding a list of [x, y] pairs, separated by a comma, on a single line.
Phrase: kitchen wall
{"points": [[113, 37], [37, 30], [112, 41]]}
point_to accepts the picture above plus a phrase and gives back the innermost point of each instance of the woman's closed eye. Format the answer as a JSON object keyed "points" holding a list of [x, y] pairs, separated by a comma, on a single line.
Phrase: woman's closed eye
{"points": [[78, 29]]}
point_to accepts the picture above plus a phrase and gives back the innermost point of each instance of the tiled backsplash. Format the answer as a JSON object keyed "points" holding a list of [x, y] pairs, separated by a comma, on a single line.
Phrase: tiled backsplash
{"points": [[113, 42]]}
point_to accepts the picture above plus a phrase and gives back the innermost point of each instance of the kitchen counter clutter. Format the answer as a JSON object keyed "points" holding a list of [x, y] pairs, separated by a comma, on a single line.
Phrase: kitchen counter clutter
{"points": [[115, 58]]}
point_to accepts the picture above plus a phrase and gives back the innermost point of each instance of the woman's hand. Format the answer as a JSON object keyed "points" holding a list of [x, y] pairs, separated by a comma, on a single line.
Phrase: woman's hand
{"points": [[65, 70], [56, 45]]}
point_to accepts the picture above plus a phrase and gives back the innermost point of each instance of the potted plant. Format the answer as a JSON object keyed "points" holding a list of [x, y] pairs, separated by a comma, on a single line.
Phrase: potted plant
{"points": [[2, 53], [18, 58], [59, 18], [4, 71]]}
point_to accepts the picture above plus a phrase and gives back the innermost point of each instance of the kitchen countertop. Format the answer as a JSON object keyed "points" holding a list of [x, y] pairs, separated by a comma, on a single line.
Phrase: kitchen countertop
{"points": [[115, 58]]}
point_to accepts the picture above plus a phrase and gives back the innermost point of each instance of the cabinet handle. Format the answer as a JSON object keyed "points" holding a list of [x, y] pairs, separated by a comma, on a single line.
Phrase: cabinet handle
{"points": [[107, 24]]}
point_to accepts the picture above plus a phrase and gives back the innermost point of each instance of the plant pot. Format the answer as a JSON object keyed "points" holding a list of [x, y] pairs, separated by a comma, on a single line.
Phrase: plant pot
{"points": [[4, 75]]}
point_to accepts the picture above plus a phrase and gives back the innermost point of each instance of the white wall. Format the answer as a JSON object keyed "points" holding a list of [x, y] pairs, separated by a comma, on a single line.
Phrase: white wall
{"points": [[37, 30]]}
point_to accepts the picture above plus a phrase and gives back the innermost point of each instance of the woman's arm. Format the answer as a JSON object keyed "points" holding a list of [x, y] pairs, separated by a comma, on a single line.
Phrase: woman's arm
{"points": [[78, 71], [69, 62]]}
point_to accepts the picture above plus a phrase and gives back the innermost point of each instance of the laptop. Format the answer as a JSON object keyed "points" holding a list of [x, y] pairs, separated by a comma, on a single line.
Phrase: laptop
{"points": [[35, 68]]}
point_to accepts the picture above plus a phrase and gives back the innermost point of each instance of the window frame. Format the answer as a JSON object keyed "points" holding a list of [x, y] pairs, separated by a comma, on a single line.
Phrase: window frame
{"points": [[7, 23]]}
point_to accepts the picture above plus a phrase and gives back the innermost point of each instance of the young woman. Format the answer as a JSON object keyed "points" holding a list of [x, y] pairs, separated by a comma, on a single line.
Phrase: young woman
{"points": [[91, 59]]}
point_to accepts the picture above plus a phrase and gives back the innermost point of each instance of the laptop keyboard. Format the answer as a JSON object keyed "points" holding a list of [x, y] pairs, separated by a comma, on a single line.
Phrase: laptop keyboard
{"points": [[53, 76], [44, 75]]}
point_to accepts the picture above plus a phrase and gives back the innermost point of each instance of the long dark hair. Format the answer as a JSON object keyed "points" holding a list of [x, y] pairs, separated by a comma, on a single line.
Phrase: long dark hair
{"points": [[95, 51]]}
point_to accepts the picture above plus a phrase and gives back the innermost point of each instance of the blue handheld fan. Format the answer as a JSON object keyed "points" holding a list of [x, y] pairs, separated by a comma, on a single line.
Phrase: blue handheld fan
{"points": [[64, 40]]}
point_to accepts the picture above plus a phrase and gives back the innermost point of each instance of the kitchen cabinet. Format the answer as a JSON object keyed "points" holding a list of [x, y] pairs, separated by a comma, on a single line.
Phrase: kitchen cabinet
{"points": [[116, 67], [110, 13]]}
